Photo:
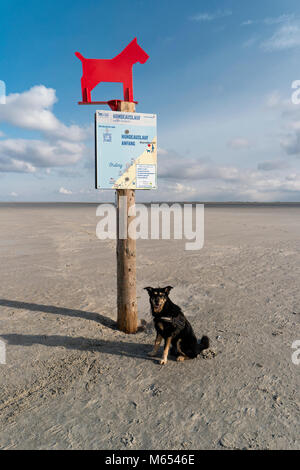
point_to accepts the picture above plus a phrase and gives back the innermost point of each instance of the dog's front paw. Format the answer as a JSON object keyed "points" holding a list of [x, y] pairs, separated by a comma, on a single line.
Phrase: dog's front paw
{"points": [[163, 362], [180, 359]]}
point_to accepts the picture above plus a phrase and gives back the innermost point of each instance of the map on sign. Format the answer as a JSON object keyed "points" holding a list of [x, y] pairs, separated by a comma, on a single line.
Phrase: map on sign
{"points": [[126, 150]]}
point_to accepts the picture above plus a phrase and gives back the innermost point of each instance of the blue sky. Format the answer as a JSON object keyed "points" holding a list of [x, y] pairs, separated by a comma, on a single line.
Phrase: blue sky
{"points": [[219, 77]]}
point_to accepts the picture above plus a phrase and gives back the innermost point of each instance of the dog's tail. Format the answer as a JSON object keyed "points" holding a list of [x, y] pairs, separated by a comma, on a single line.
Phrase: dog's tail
{"points": [[203, 344], [80, 56]]}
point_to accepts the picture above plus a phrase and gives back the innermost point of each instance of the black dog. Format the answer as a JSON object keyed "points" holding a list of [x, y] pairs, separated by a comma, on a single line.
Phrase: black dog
{"points": [[172, 326]]}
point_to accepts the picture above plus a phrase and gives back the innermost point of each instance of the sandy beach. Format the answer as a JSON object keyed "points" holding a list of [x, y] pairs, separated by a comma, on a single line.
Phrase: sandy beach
{"points": [[72, 381]]}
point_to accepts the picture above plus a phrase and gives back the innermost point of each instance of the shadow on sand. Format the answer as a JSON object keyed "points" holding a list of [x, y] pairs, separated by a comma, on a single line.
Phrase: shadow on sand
{"points": [[97, 317], [119, 348]]}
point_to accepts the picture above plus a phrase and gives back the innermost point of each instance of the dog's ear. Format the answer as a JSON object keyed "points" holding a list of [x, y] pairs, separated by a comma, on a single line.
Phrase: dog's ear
{"points": [[149, 290], [168, 289]]}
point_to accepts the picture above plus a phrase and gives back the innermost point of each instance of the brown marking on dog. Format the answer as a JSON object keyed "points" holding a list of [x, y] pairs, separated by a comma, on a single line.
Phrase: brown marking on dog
{"points": [[179, 348], [161, 326], [161, 299], [181, 359], [158, 340], [166, 351], [183, 356]]}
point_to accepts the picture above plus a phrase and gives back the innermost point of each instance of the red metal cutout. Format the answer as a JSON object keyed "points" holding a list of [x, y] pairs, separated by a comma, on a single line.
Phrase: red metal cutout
{"points": [[118, 69]]}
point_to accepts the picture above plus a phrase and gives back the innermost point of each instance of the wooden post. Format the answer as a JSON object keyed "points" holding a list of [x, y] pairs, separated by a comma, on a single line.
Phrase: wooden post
{"points": [[126, 256]]}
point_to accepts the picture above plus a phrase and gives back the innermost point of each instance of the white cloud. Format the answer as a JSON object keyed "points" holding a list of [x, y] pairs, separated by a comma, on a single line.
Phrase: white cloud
{"points": [[2, 92], [202, 17], [250, 41], [85, 191], [271, 165], [273, 99], [288, 114], [279, 19], [64, 191], [287, 36], [239, 143], [32, 110], [247, 22], [13, 194], [161, 151], [291, 143], [193, 169], [185, 189], [182, 169], [271, 20], [202, 179], [11, 165], [40, 153]]}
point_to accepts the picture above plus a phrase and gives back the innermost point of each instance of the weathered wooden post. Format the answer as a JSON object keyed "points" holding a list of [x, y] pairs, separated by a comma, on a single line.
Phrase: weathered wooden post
{"points": [[126, 254]]}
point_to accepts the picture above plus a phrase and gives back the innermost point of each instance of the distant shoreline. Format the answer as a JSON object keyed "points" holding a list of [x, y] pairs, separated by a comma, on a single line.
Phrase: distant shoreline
{"points": [[207, 204]]}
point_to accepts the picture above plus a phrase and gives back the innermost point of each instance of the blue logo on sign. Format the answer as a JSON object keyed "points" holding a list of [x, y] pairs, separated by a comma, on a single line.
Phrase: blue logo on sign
{"points": [[107, 137]]}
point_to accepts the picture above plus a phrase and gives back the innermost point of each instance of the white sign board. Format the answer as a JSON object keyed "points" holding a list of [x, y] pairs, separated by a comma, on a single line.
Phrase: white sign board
{"points": [[126, 150]]}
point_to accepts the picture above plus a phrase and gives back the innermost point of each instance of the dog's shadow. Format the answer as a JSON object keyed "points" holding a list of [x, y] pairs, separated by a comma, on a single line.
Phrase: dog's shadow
{"points": [[120, 348]]}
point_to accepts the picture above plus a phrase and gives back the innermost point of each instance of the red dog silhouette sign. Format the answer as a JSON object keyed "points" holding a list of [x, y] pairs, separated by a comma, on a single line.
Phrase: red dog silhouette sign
{"points": [[118, 69]]}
